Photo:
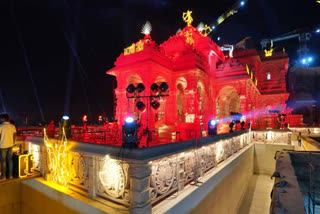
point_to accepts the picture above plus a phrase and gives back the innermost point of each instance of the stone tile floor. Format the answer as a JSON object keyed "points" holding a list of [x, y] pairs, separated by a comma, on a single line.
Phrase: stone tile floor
{"points": [[35, 175], [257, 199]]}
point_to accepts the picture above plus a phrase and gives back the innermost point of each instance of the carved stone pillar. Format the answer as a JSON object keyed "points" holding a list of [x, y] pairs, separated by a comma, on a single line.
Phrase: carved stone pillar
{"points": [[43, 161], [92, 179], [139, 188]]}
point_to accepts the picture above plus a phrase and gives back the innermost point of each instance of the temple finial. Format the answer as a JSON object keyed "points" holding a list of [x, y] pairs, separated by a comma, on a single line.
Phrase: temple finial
{"points": [[187, 17]]}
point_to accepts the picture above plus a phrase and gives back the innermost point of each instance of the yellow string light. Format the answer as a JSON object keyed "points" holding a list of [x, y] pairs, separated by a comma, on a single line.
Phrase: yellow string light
{"points": [[58, 159]]}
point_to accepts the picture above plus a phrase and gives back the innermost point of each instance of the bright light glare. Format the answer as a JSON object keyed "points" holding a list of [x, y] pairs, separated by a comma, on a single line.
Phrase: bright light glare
{"points": [[303, 61], [310, 59], [212, 122], [242, 3], [129, 120], [213, 27], [65, 117], [219, 38], [318, 30]]}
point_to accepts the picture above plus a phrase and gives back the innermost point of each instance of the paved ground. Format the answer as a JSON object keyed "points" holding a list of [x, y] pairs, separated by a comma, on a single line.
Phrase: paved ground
{"points": [[35, 175], [257, 199]]}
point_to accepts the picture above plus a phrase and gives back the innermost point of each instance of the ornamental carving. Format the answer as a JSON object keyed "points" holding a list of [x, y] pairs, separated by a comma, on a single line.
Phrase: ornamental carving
{"points": [[78, 169], [113, 180], [172, 173]]}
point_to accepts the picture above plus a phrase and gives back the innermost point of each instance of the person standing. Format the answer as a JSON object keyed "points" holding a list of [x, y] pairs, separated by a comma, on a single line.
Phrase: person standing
{"points": [[7, 141], [299, 139]]}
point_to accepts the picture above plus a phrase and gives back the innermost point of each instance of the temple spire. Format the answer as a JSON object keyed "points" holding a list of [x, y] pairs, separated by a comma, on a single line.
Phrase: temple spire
{"points": [[187, 17]]}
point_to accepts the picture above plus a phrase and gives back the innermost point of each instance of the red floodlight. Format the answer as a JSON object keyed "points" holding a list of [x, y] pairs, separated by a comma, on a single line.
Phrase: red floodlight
{"points": [[154, 88], [164, 87], [155, 104], [140, 88], [141, 106], [130, 89]]}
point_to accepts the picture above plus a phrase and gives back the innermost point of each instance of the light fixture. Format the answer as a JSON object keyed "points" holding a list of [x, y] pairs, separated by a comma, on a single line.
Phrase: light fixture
{"points": [[129, 133], [212, 127], [164, 87], [154, 88], [141, 106], [242, 3], [140, 88], [218, 38], [213, 27], [129, 120], [318, 30], [306, 60], [85, 118], [130, 89], [65, 117], [155, 104]]}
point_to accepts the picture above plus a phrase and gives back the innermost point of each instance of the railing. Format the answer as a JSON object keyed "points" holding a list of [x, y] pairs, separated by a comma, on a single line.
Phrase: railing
{"points": [[141, 178], [306, 130], [92, 134], [272, 136]]}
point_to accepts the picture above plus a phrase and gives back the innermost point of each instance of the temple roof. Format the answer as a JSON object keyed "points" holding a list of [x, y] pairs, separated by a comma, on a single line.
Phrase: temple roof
{"points": [[190, 39]]}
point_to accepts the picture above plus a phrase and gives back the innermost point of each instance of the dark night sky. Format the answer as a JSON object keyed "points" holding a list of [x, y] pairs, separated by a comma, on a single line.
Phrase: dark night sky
{"points": [[98, 31]]}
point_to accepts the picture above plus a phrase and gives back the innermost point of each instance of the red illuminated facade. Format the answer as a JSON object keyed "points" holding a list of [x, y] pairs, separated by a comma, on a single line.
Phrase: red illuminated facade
{"points": [[204, 83]]}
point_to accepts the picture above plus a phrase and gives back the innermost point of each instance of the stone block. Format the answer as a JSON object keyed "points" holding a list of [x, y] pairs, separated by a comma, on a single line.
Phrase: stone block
{"points": [[139, 171], [146, 209], [139, 184], [139, 197]]}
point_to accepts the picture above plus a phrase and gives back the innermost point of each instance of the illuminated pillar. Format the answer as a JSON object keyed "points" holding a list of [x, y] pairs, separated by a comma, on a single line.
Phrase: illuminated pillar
{"points": [[140, 188], [43, 161], [92, 180]]}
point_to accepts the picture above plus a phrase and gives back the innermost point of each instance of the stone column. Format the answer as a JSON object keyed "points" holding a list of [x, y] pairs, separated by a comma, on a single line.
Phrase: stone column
{"points": [[92, 180], [43, 161], [140, 188]]}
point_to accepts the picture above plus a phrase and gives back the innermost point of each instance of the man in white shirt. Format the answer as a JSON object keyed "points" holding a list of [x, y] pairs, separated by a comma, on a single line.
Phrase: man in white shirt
{"points": [[7, 141]]}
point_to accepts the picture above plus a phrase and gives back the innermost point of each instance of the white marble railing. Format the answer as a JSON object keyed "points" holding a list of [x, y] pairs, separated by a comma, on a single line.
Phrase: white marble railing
{"points": [[271, 136], [306, 130], [139, 178], [174, 172]]}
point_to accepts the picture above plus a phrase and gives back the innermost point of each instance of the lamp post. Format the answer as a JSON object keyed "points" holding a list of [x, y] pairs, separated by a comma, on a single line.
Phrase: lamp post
{"points": [[158, 90]]}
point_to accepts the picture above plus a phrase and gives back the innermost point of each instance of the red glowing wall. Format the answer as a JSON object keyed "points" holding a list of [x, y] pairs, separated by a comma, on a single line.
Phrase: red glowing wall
{"points": [[204, 83]]}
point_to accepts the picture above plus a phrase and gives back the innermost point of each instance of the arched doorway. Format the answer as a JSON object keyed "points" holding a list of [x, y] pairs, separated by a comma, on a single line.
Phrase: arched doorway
{"points": [[181, 85], [228, 101]]}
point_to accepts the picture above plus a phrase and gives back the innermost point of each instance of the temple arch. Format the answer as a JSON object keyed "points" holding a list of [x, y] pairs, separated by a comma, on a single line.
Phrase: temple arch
{"points": [[181, 85], [202, 96], [228, 101], [134, 79]]}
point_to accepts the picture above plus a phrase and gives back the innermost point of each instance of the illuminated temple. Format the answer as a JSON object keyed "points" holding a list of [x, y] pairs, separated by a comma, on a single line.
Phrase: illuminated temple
{"points": [[169, 94], [205, 82]]}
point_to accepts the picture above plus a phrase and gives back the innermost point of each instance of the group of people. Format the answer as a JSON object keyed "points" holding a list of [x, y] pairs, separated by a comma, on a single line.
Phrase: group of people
{"points": [[8, 134]]}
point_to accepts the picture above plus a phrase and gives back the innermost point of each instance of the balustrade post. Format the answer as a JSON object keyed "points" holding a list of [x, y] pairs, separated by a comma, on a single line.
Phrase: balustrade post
{"points": [[92, 179], [43, 161], [140, 188]]}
